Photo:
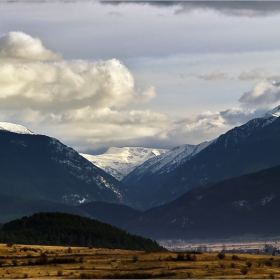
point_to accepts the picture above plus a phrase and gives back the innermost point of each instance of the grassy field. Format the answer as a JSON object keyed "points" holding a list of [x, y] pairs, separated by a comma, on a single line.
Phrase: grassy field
{"points": [[27, 261]]}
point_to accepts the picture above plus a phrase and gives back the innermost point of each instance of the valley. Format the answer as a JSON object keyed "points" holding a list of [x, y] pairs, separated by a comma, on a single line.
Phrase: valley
{"points": [[58, 262]]}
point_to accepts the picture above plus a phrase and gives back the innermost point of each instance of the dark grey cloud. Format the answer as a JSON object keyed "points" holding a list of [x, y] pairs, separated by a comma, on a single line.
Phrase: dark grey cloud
{"points": [[152, 3], [236, 8]]}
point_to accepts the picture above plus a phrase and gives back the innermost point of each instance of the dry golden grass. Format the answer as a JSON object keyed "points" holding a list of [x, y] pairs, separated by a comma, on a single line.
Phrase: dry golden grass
{"points": [[19, 261]]}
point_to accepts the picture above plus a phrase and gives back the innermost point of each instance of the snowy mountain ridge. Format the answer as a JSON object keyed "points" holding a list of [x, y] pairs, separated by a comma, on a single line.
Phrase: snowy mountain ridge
{"points": [[237, 134], [272, 113], [175, 157], [15, 128], [119, 162], [168, 161]]}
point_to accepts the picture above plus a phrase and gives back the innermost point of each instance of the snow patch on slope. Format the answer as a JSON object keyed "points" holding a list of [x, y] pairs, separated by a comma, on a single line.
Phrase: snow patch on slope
{"points": [[119, 162], [242, 204], [15, 128], [267, 199], [119, 176]]}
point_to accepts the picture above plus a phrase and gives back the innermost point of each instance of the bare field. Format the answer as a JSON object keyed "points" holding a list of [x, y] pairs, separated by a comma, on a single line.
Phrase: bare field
{"points": [[31, 261]]}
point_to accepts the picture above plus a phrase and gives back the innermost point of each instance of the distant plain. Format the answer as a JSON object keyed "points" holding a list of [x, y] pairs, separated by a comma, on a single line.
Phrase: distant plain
{"points": [[219, 245]]}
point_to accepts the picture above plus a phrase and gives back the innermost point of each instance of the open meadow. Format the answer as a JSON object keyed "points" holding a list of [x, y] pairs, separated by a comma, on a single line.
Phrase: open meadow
{"points": [[33, 261]]}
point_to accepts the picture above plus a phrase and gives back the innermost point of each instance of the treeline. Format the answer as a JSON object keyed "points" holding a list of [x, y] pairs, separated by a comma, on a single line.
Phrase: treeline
{"points": [[72, 230]]}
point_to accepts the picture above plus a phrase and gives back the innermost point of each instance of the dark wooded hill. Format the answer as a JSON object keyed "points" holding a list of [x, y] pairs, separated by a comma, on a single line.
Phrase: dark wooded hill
{"points": [[72, 230]]}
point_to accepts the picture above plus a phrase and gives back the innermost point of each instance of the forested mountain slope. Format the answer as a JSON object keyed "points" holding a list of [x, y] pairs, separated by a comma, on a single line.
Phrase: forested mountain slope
{"points": [[41, 167], [245, 205]]}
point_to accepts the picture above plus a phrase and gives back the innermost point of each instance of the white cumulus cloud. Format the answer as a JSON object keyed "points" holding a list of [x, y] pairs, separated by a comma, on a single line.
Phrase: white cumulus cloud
{"points": [[52, 86], [21, 46]]}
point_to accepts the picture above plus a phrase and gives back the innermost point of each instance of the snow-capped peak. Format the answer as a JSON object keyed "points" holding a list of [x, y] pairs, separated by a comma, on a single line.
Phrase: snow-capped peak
{"points": [[133, 154], [120, 161], [15, 128], [273, 113]]}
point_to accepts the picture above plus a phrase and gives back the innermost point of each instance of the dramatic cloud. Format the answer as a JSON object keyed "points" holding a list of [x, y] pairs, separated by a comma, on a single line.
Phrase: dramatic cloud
{"points": [[54, 86], [21, 46], [60, 85]]}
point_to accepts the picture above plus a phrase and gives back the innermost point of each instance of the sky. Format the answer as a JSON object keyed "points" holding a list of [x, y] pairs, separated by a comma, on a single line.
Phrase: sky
{"points": [[151, 74]]}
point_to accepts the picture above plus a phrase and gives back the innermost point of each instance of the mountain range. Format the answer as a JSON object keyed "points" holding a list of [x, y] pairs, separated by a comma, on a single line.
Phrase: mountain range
{"points": [[147, 178], [245, 149], [216, 188]]}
